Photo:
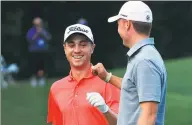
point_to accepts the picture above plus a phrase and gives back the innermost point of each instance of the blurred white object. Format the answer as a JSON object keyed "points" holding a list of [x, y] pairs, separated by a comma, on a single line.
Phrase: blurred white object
{"points": [[42, 81], [13, 68], [6, 73], [33, 82], [82, 21], [4, 84]]}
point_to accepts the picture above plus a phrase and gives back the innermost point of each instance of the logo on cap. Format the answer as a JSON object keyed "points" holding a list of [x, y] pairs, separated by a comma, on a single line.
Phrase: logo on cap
{"points": [[76, 28], [123, 15], [147, 17]]}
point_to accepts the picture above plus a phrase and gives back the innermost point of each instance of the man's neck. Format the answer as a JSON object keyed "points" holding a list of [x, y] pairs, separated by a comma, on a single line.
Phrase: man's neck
{"points": [[136, 39], [80, 73]]}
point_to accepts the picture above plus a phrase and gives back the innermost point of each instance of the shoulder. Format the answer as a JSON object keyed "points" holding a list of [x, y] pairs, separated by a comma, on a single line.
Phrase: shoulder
{"points": [[99, 81], [31, 30], [96, 84], [147, 66], [144, 62], [149, 56], [105, 85], [59, 83], [148, 51]]}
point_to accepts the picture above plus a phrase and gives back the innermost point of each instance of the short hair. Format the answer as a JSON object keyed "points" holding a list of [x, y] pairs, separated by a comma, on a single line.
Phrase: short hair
{"points": [[142, 27], [74, 35], [37, 18]]}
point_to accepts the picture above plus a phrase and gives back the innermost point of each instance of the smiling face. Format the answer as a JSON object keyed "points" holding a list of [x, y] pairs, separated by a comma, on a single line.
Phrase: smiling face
{"points": [[124, 30], [37, 22], [78, 50]]}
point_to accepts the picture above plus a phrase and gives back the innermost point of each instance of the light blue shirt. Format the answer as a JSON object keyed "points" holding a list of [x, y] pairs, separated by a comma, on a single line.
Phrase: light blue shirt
{"points": [[145, 80]]}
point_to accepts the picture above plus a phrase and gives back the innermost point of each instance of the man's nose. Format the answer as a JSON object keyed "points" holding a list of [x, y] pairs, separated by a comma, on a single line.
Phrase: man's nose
{"points": [[77, 48]]}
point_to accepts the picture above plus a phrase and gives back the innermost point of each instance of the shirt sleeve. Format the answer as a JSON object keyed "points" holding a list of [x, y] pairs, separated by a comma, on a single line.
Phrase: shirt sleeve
{"points": [[51, 108], [54, 114], [30, 35], [148, 81], [46, 34], [112, 96]]}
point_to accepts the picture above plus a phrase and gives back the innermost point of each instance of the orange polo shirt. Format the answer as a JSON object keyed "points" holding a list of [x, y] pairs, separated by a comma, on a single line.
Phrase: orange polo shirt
{"points": [[67, 104]]}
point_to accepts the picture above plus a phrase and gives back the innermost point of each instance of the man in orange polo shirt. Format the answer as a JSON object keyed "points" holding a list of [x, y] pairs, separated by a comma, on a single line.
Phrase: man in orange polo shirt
{"points": [[81, 98]]}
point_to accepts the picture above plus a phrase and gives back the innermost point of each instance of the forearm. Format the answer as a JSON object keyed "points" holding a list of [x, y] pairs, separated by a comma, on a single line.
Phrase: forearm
{"points": [[116, 81], [146, 119], [111, 117], [46, 35], [35, 36]]}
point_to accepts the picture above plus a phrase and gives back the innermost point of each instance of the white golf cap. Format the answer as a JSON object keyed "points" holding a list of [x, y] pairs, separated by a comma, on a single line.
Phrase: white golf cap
{"points": [[135, 11], [78, 28]]}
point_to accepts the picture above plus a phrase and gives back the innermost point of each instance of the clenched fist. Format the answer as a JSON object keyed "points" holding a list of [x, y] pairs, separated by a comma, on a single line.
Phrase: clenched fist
{"points": [[100, 70], [96, 100]]}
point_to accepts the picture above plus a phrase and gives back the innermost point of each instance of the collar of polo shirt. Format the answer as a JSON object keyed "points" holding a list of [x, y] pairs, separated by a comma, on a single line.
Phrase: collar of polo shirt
{"points": [[140, 44]]}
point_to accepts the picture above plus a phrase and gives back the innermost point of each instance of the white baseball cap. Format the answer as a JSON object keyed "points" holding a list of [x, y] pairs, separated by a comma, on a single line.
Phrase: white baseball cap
{"points": [[135, 11], [78, 28]]}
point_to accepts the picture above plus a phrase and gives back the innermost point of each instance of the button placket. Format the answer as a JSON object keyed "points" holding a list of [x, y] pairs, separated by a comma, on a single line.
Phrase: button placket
{"points": [[76, 88], [76, 93]]}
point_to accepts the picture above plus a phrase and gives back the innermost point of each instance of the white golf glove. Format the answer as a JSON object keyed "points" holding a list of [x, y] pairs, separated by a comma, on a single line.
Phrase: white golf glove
{"points": [[96, 100]]}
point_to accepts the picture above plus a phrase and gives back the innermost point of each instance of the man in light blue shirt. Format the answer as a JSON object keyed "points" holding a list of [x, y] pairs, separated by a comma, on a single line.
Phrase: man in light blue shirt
{"points": [[143, 87]]}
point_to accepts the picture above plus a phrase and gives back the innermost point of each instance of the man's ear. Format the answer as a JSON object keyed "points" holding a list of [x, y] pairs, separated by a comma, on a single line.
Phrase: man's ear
{"points": [[93, 47], [128, 24], [64, 46]]}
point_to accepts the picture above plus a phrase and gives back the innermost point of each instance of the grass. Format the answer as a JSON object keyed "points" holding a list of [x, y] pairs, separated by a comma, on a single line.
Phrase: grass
{"points": [[23, 105]]}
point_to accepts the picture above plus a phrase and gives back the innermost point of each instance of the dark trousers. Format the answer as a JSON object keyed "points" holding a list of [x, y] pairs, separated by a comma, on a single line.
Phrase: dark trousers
{"points": [[37, 61]]}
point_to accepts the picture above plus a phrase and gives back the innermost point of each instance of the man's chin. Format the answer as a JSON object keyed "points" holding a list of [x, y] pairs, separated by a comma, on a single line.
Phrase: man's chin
{"points": [[77, 65], [125, 44]]}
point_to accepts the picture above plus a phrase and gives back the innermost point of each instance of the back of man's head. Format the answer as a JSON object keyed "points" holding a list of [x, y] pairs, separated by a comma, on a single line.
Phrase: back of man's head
{"points": [[138, 13]]}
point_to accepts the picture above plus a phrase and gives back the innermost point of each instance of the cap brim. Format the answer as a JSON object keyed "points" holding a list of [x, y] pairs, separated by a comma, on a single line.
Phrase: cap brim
{"points": [[79, 33], [113, 19]]}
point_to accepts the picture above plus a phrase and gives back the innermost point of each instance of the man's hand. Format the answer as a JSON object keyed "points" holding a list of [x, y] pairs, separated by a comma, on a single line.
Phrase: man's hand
{"points": [[100, 70], [96, 100], [39, 29]]}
